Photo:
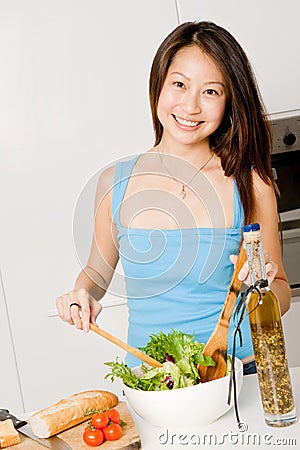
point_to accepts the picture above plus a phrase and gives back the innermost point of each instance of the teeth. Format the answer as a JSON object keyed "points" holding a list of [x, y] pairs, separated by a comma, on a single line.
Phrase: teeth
{"points": [[187, 123]]}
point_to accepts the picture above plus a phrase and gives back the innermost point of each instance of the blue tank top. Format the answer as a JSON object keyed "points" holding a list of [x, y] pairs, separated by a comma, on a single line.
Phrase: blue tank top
{"points": [[176, 278]]}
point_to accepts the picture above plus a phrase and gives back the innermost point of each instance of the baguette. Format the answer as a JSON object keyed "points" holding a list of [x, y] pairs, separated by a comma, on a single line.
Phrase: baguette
{"points": [[8, 434], [70, 411]]}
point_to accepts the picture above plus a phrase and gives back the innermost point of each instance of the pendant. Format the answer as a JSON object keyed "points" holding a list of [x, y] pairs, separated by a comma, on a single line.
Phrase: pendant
{"points": [[183, 193]]}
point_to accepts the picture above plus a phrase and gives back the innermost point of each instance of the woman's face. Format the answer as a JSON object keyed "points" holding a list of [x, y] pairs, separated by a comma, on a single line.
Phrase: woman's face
{"points": [[192, 101]]}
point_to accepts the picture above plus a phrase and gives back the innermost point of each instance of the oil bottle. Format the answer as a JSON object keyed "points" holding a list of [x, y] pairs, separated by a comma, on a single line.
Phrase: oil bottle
{"points": [[267, 337]]}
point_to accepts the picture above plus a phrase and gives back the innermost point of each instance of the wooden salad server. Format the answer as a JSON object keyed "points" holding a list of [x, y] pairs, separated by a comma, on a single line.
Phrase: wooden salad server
{"points": [[216, 346], [132, 350]]}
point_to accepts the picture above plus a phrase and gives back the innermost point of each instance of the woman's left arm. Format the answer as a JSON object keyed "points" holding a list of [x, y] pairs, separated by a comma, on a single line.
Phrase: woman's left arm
{"points": [[266, 215]]}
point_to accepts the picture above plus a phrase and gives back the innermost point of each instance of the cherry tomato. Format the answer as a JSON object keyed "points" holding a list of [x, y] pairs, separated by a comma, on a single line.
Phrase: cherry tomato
{"points": [[93, 438], [100, 420], [112, 432], [114, 415]]}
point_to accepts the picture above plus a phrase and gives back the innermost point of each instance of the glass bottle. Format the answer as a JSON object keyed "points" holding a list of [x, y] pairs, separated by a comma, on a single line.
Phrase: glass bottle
{"points": [[268, 338]]}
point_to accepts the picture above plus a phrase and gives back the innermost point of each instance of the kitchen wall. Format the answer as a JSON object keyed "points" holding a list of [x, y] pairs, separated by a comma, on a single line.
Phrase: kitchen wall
{"points": [[268, 32], [73, 90]]}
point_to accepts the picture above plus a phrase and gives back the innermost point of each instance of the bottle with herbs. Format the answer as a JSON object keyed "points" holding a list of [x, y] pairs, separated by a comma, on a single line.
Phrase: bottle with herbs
{"points": [[267, 337]]}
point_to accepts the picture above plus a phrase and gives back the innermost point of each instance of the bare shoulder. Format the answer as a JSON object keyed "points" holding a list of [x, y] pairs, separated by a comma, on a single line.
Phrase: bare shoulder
{"points": [[104, 189], [262, 189], [106, 178], [266, 212]]}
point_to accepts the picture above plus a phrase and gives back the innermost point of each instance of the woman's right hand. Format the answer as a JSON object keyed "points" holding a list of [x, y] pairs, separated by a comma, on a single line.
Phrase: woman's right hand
{"points": [[87, 310]]}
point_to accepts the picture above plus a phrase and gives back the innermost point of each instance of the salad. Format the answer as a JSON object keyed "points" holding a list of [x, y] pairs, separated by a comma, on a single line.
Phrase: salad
{"points": [[178, 352]]}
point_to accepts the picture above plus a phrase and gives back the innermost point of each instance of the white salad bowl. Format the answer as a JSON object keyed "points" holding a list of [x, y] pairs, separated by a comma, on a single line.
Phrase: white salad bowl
{"points": [[190, 406]]}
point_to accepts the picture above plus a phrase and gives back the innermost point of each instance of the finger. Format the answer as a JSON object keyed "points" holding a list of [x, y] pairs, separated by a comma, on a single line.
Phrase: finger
{"points": [[66, 313], [84, 300], [271, 270], [244, 272], [233, 259], [96, 308], [247, 280], [59, 307], [74, 310]]}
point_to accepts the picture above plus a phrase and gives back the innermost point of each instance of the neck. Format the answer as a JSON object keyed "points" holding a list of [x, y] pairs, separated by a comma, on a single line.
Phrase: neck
{"points": [[196, 154]]}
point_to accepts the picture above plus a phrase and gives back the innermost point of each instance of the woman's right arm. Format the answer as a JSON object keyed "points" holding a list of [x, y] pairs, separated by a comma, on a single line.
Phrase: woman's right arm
{"points": [[93, 281]]}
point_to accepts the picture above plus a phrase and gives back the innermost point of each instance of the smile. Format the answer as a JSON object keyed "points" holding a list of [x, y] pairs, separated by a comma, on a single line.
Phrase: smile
{"points": [[186, 123]]}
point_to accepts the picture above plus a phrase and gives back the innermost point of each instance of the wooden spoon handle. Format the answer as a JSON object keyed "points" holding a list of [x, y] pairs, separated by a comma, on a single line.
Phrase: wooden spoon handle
{"points": [[132, 350], [234, 287], [235, 282]]}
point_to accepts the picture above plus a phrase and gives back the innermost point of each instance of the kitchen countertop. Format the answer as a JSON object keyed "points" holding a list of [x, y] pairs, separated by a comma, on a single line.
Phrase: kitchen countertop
{"points": [[224, 432]]}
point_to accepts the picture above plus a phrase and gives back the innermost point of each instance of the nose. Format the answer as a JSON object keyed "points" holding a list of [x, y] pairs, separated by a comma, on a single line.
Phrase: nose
{"points": [[191, 103]]}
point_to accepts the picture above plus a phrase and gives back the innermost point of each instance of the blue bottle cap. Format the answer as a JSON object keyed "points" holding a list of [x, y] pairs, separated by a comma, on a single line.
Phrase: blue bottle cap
{"points": [[251, 227]]}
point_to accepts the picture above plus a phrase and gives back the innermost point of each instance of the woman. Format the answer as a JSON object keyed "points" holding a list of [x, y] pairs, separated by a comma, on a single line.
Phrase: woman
{"points": [[173, 214]]}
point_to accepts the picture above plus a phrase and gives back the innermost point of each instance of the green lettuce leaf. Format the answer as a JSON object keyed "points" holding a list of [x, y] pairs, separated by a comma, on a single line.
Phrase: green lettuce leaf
{"points": [[178, 352]]}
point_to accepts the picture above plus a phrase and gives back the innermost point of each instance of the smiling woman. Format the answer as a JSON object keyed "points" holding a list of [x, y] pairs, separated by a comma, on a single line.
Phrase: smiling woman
{"points": [[192, 98], [173, 215]]}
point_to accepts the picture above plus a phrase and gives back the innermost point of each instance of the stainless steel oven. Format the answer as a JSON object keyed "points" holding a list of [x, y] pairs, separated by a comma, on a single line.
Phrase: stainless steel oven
{"points": [[286, 168]]}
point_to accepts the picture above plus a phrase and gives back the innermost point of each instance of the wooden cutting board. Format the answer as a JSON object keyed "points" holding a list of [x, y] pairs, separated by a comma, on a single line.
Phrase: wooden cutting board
{"points": [[130, 439]]}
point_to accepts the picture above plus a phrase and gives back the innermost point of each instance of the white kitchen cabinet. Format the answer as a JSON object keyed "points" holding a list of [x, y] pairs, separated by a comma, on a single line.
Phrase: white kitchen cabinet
{"points": [[268, 31], [74, 97], [291, 328], [10, 389]]}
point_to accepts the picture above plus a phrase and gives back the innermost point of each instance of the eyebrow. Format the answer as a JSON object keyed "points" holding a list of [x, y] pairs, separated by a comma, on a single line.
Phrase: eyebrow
{"points": [[207, 82]]}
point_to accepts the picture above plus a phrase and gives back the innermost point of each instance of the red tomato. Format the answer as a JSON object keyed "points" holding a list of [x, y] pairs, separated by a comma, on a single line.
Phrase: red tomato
{"points": [[100, 420], [93, 438], [112, 432], [114, 415]]}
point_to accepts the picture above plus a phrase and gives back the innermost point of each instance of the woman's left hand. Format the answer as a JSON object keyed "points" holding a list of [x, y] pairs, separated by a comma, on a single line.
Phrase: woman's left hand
{"points": [[244, 274]]}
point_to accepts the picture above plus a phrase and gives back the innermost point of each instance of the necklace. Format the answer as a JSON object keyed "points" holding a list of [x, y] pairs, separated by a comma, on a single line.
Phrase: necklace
{"points": [[183, 185]]}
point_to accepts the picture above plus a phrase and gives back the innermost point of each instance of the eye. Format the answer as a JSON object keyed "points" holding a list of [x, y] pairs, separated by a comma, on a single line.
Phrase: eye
{"points": [[179, 84], [211, 92]]}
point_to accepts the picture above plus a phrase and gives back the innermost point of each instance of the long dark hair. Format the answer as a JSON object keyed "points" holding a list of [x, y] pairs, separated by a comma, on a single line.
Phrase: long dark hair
{"points": [[244, 139]]}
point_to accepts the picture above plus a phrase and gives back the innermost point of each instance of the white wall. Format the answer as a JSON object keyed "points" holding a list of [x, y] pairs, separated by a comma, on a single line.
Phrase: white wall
{"points": [[73, 97], [73, 89], [10, 393], [268, 30]]}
